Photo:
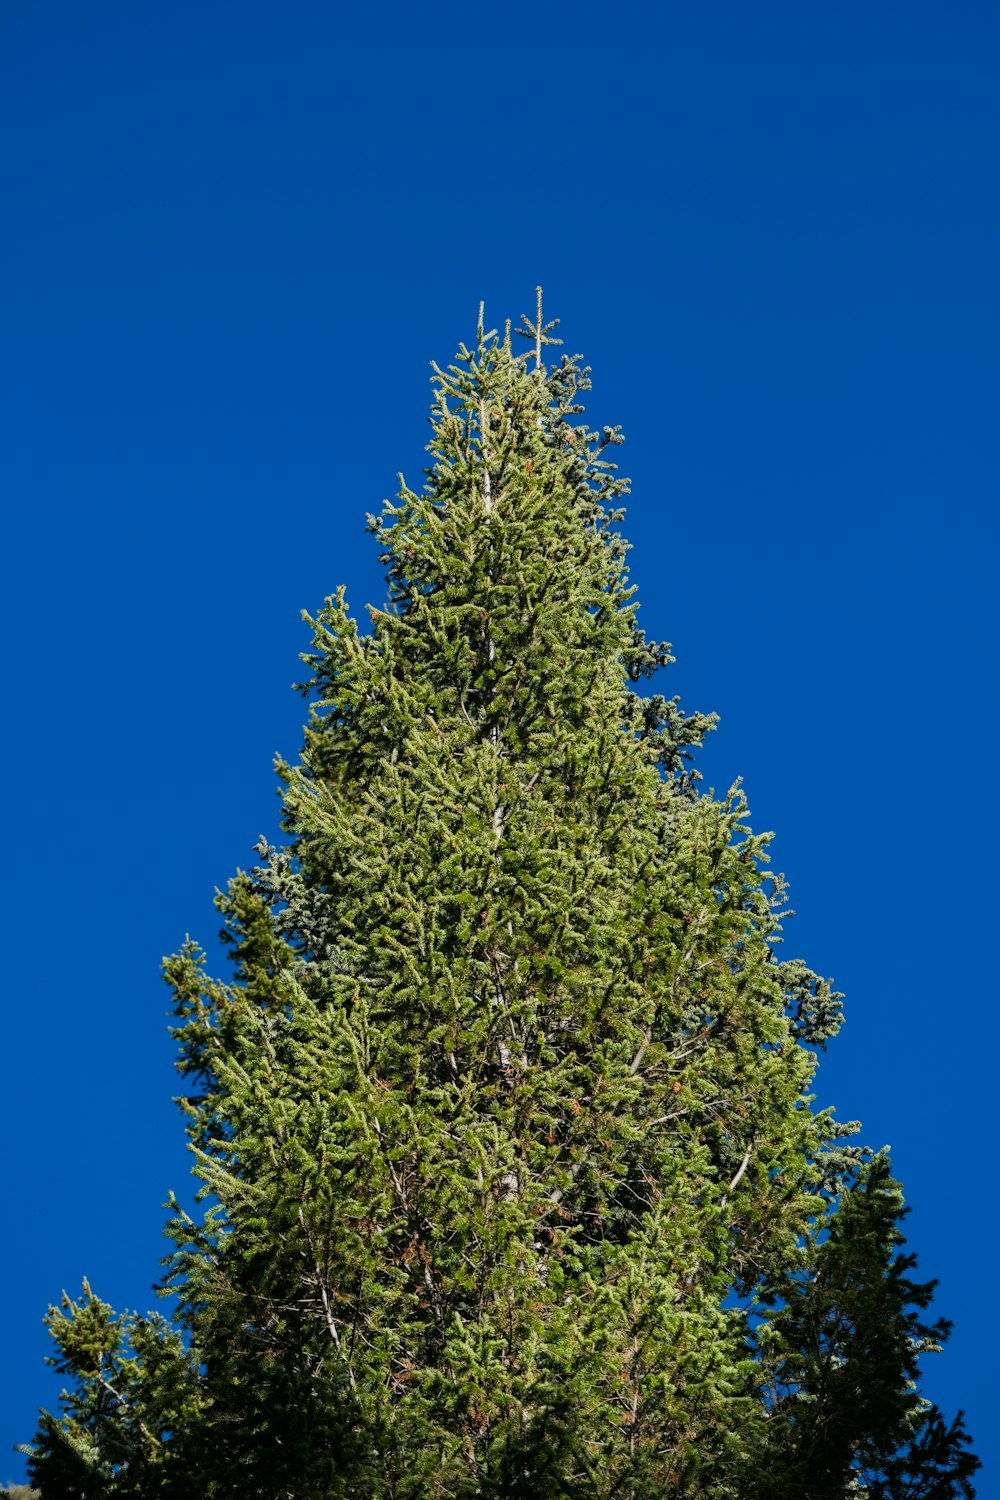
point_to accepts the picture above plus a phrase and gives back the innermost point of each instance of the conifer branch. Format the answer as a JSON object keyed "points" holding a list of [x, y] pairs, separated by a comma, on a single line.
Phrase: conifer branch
{"points": [[331, 1322]]}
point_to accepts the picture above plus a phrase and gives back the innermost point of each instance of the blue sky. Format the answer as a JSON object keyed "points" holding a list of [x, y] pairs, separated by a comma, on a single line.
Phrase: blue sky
{"points": [[234, 237]]}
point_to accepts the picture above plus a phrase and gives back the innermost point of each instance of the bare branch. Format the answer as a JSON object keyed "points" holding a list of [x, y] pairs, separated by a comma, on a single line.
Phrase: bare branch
{"points": [[739, 1172]]}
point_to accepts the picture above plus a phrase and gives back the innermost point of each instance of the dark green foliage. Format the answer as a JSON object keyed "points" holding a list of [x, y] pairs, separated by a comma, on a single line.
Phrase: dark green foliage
{"points": [[136, 1391], [512, 1185], [841, 1342]]}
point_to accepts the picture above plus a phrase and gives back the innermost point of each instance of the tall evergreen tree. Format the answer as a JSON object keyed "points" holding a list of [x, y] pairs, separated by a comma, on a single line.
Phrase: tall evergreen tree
{"points": [[511, 1180]]}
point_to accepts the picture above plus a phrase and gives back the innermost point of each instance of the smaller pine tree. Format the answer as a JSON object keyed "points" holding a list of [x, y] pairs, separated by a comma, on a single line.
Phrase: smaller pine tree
{"points": [[511, 1181]]}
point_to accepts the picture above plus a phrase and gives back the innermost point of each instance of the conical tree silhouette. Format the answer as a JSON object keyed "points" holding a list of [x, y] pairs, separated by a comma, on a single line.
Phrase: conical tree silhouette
{"points": [[503, 1124]]}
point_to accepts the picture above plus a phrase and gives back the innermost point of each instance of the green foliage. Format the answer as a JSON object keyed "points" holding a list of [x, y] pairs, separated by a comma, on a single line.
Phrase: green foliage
{"points": [[136, 1391], [511, 1182]]}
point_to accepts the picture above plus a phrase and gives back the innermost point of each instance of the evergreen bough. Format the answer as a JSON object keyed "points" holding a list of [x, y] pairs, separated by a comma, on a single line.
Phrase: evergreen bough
{"points": [[511, 1181]]}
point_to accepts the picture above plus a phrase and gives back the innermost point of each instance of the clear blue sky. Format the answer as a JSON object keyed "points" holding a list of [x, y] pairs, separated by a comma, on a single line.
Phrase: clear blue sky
{"points": [[234, 236]]}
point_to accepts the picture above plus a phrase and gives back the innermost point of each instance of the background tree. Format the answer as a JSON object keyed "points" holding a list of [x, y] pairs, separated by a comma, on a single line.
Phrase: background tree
{"points": [[512, 1181]]}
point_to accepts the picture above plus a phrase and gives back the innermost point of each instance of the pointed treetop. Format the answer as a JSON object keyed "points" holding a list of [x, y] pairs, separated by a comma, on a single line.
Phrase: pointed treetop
{"points": [[538, 330]]}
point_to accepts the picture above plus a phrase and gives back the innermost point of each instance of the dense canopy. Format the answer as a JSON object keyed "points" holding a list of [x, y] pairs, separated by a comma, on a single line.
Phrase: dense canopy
{"points": [[511, 1179]]}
